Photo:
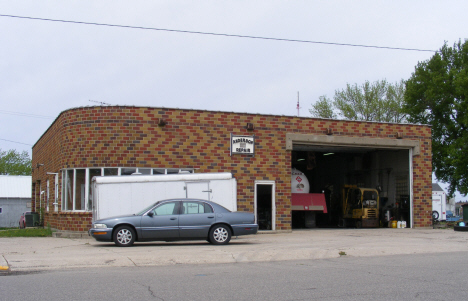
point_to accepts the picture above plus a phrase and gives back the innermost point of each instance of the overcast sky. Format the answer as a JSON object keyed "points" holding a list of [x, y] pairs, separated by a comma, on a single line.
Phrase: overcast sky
{"points": [[48, 67]]}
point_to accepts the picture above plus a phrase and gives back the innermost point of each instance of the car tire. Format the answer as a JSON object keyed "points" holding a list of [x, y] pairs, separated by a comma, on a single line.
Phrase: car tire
{"points": [[220, 235], [124, 236], [435, 215]]}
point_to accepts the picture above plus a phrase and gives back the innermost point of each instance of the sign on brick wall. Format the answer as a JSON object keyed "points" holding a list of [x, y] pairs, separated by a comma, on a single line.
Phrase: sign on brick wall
{"points": [[242, 145]]}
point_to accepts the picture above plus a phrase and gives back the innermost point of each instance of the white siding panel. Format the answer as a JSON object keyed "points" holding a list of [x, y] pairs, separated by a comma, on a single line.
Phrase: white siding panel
{"points": [[15, 186]]}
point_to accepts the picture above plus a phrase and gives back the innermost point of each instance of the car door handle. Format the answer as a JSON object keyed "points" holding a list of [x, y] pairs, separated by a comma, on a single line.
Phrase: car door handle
{"points": [[211, 216], [173, 218]]}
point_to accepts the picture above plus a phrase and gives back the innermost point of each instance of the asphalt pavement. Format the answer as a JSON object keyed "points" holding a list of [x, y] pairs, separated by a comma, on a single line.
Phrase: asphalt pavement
{"points": [[23, 254]]}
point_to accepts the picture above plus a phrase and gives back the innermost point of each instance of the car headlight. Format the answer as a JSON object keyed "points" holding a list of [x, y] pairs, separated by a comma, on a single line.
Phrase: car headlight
{"points": [[99, 226]]}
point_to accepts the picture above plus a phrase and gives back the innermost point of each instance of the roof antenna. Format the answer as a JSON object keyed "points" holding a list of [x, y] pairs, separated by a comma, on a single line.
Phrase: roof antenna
{"points": [[100, 102]]}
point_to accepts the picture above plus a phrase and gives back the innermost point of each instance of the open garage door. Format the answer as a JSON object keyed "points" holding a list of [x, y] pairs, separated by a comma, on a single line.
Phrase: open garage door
{"points": [[365, 183]]}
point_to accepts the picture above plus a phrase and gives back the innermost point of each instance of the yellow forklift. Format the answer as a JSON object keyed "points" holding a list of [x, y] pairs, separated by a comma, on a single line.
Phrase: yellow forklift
{"points": [[360, 207]]}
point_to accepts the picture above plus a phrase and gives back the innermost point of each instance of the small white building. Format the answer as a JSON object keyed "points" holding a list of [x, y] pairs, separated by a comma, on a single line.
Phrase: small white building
{"points": [[15, 199], [439, 203]]}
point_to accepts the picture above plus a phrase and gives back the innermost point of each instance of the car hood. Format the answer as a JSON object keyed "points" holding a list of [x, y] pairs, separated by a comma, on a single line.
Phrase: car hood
{"points": [[116, 219]]}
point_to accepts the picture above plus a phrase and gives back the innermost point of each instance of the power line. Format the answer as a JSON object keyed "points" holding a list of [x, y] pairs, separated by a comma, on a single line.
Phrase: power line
{"points": [[25, 114], [16, 142], [216, 34]]}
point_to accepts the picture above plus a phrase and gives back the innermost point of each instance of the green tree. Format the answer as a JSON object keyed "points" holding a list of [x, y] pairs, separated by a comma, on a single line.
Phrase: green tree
{"points": [[15, 163], [378, 101], [436, 94], [323, 108]]}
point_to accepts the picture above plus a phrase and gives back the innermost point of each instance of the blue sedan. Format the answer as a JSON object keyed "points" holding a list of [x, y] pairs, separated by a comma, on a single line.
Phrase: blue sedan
{"points": [[177, 219]]}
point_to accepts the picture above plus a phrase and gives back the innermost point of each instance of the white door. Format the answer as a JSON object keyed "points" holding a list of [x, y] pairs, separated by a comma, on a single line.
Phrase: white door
{"points": [[198, 190]]}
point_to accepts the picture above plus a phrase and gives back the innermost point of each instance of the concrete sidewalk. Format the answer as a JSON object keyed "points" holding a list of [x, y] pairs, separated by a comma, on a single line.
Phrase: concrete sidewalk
{"points": [[33, 254]]}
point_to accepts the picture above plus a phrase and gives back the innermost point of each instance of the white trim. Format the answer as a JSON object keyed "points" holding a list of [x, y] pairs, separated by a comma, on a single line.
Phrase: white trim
{"points": [[273, 201], [56, 185], [327, 140], [167, 177]]}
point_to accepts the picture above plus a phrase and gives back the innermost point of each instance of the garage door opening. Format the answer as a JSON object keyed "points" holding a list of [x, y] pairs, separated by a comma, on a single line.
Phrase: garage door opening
{"points": [[264, 203], [362, 187]]}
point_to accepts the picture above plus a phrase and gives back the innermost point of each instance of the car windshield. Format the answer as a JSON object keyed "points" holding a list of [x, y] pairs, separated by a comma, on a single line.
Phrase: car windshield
{"points": [[146, 209]]}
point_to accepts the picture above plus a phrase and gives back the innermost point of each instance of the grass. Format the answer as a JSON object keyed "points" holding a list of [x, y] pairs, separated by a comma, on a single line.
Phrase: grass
{"points": [[28, 232], [445, 225]]}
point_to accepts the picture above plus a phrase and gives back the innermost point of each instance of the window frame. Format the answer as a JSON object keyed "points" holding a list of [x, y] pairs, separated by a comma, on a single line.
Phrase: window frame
{"points": [[202, 204]]}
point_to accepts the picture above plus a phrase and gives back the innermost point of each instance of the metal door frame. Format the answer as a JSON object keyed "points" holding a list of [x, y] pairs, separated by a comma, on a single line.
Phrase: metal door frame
{"points": [[273, 201]]}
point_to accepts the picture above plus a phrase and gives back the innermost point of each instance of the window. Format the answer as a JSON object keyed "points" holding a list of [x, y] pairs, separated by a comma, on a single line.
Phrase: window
{"points": [[165, 209], [196, 208], [144, 171], [159, 171], [80, 191], [76, 184], [111, 171], [172, 170], [69, 188], [93, 172], [127, 171]]}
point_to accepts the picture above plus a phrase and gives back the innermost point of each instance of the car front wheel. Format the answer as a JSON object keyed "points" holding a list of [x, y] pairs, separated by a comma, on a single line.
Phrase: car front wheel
{"points": [[220, 235], [124, 236]]}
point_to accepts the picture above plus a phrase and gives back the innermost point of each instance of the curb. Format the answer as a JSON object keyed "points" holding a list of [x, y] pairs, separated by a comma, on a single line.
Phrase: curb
{"points": [[70, 234], [4, 267]]}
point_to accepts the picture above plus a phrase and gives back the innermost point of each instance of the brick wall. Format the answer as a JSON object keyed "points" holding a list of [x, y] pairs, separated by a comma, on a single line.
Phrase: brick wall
{"points": [[130, 136]]}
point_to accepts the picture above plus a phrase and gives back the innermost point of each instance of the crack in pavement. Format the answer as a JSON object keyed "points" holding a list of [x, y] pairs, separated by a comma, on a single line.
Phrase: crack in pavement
{"points": [[132, 261], [148, 287]]}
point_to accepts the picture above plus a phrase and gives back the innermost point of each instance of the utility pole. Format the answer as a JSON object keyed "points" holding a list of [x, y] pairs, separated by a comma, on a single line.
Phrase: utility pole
{"points": [[298, 107]]}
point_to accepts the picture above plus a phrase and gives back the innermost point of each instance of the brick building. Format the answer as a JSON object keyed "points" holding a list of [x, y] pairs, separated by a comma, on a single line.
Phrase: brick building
{"points": [[120, 140]]}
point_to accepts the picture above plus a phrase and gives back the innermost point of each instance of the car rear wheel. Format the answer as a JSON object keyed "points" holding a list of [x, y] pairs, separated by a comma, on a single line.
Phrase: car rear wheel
{"points": [[124, 236], [220, 235]]}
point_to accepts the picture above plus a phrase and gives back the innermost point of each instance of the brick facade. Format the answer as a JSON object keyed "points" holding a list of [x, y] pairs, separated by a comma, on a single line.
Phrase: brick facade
{"points": [[118, 136]]}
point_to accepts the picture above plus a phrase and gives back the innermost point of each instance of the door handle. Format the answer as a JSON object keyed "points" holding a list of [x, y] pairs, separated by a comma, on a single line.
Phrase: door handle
{"points": [[173, 218], [211, 216]]}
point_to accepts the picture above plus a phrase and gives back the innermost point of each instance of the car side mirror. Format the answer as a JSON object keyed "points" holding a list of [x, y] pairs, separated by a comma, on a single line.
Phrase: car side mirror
{"points": [[150, 214]]}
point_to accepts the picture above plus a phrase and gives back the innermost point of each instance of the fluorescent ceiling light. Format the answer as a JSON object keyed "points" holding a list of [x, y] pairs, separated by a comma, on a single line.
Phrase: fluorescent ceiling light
{"points": [[328, 154]]}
